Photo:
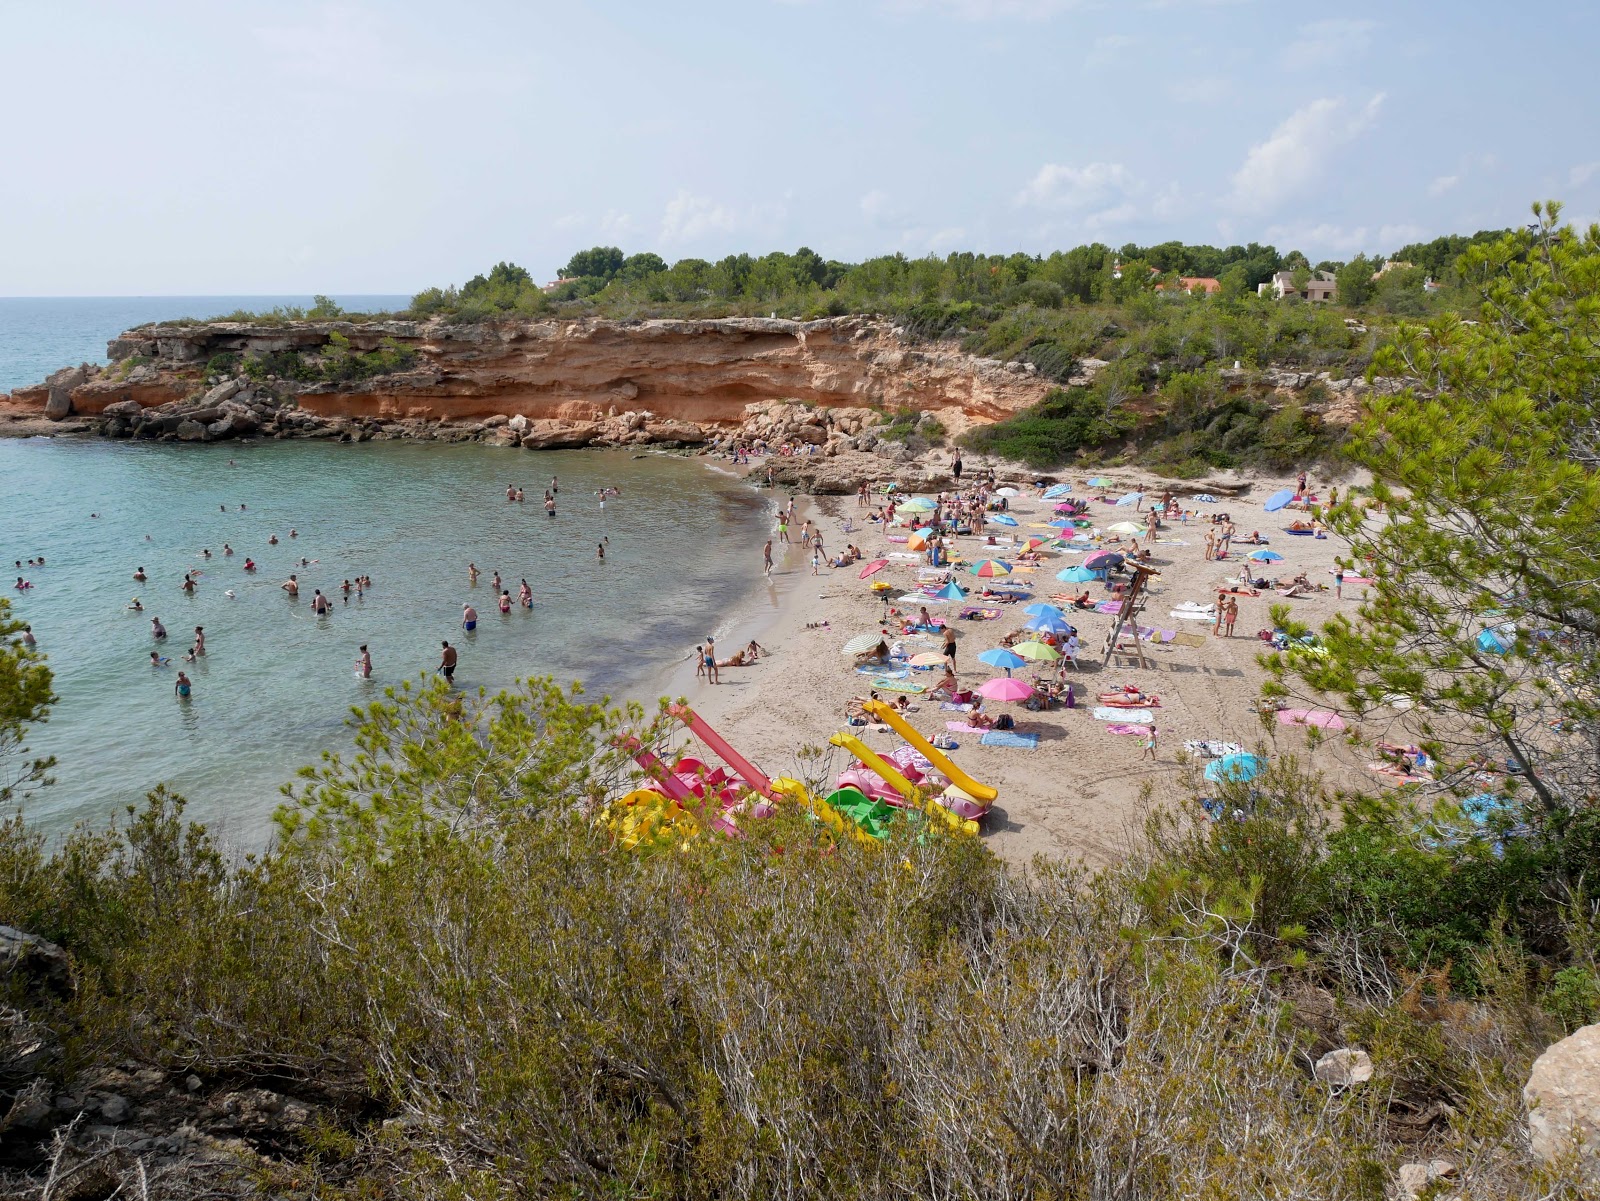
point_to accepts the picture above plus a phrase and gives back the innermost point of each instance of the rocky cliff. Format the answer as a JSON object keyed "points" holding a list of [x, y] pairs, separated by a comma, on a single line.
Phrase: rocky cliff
{"points": [[699, 372]]}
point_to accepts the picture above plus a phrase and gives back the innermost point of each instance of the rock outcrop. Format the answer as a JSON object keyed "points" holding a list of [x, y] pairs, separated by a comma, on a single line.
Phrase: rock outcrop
{"points": [[1563, 1099]]}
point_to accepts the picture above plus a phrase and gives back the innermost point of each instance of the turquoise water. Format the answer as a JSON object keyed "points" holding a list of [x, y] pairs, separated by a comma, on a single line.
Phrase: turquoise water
{"points": [[277, 683], [40, 334]]}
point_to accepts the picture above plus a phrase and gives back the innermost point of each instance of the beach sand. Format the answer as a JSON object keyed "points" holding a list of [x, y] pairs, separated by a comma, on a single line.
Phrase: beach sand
{"points": [[1077, 794]]}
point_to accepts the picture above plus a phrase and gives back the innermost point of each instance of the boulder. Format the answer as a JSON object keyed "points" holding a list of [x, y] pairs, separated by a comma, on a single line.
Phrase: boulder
{"points": [[1563, 1099], [1344, 1068], [221, 428], [115, 1109], [1412, 1178], [30, 957], [122, 408], [517, 424], [61, 383], [227, 388], [190, 431]]}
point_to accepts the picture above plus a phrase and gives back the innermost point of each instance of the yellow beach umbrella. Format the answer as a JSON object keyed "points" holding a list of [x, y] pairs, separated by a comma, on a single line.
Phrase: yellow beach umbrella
{"points": [[1038, 651]]}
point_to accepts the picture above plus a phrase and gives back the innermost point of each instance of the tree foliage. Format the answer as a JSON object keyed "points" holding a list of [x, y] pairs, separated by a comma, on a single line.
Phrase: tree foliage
{"points": [[26, 694]]}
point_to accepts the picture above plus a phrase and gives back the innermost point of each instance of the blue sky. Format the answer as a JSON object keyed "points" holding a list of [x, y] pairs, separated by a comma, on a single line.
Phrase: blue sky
{"points": [[285, 147]]}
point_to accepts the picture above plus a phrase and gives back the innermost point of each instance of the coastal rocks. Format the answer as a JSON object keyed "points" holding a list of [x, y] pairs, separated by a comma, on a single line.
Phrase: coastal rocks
{"points": [[59, 403], [1563, 1099], [1344, 1068], [189, 430], [1412, 1178], [558, 435]]}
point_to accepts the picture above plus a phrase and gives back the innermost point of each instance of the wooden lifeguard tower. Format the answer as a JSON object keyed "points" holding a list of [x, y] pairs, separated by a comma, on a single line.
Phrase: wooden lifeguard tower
{"points": [[1132, 606]]}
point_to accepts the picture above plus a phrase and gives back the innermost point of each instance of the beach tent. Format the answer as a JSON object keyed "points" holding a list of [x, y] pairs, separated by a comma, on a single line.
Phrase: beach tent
{"points": [[1001, 657], [1234, 767], [951, 592], [1498, 640], [1077, 575], [1279, 499], [1056, 490], [1130, 498], [1265, 556]]}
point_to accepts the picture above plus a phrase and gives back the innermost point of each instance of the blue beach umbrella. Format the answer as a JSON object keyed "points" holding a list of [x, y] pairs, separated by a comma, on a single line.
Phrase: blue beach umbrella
{"points": [[1001, 657], [1278, 499], [1077, 575], [1234, 767], [923, 532], [1131, 498], [1040, 609], [1057, 490], [1002, 519], [1049, 625], [1062, 523], [1498, 640], [1265, 556], [951, 592]]}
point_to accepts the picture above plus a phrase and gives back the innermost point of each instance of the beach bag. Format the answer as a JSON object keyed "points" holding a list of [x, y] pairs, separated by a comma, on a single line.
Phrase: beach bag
{"points": [[1005, 722]]}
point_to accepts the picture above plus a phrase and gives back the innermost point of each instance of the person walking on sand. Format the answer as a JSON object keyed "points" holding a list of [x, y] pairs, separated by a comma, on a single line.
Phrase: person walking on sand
{"points": [[955, 468], [816, 560], [766, 558], [447, 662], [1150, 738], [364, 663], [950, 647], [711, 660], [699, 662], [1338, 583], [1232, 615], [1211, 545]]}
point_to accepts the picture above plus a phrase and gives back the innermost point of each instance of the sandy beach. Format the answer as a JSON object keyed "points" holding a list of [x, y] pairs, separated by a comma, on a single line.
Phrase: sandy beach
{"points": [[1075, 793]]}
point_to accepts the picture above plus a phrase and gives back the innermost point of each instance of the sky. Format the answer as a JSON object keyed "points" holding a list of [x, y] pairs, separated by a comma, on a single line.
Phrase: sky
{"points": [[296, 146]]}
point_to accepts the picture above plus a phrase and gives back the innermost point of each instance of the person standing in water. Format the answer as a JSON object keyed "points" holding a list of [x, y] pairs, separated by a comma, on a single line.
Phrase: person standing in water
{"points": [[364, 663], [291, 585], [199, 641], [766, 557], [157, 630], [525, 594], [600, 551], [505, 601], [473, 573], [319, 603], [469, 619], [550, 506], [140, 575], [447, 662], [182, 686]]}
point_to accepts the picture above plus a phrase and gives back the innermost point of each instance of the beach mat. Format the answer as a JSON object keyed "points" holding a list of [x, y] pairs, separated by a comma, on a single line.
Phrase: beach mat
{"points": [[897, 686], [961, 727], [1189, 640], [1010, 738], [955, 708], [1122, 728], [1140, 717]]}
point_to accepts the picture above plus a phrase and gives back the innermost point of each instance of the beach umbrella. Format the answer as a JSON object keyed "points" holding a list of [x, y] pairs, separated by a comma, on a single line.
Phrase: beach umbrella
{"points": [[1061, 523], [1066, 506], [1056, 490], [1077, 575], [875, 566], [1099, 481], [951, 592], [1234, 767], [1002, 519], [1324, 719], [1037, 650], [1103, 558], [861, 644], [1125, 527], [1050, 625], [917, 504], [1279, 499], [1008, 492], [1265, 556], [1001, 657], [1129, 498], [989, 568], [926, 659], [1497, 641], [917, 542], [1035, 543], [1041, 609], [1006, 688]]}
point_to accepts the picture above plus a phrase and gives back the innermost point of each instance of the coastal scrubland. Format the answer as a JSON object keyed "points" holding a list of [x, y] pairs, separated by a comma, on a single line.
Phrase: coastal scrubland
{"points": [[472, 991]]}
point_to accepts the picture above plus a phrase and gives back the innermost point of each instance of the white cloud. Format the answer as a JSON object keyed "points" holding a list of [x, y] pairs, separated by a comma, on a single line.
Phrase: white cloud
{"points": [[1323, 43], [1582, 174], [1057, 186], [878, 207], [1326, 240], [691, 218], [1443, 184], [1297, 151], [945, 239]]}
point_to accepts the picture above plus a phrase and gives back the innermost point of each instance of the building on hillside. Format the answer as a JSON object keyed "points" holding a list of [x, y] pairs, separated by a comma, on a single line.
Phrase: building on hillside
{"points": [[1321, 287], [553, 285], [1192, 284], [1430, 286]]}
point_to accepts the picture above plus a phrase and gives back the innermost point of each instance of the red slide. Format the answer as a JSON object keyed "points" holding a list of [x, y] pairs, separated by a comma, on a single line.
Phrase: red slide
{"points": [[747, 771]]}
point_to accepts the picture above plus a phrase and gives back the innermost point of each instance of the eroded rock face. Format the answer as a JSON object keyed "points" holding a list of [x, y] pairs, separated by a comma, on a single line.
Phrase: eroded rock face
{"points": [[1563, 1099]]}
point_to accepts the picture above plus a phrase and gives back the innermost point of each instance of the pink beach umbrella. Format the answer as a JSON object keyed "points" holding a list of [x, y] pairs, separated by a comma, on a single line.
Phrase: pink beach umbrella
{"points": [[1006, 688], [875, 565], [1324, 719]]}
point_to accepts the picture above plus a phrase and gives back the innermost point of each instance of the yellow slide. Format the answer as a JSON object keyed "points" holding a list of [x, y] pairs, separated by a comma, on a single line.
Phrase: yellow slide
{"points": [[876, 762], [935, 756]]}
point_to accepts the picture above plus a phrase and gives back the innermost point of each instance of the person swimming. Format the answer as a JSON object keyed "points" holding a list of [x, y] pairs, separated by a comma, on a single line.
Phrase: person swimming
{"points": [[249, 564], [157, 659], [135, 605]]}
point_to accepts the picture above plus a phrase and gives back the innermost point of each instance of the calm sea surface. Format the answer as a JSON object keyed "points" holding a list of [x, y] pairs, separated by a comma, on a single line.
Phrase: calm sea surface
{"points": [[277, 683]]}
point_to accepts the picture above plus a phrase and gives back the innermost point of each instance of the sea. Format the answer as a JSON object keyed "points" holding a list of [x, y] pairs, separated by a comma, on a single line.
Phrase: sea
{"points": [[277, 685]]}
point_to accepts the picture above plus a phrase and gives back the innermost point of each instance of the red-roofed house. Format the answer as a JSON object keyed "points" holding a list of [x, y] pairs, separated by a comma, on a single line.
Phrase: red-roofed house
{"points": [[1194, 283]]}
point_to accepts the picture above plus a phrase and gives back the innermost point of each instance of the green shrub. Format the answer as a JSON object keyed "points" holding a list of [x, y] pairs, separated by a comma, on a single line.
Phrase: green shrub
{"points": [[1054, 430]]}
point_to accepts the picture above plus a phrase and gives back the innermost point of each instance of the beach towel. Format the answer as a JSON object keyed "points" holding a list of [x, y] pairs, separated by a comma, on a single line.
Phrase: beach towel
{"points": [[884, 684], [1193, 615], [887, 675], [1204, 498], [955, 708], [1010, 738], [899, 538], [1194, 607], [1108, 607], [1189, 639], [1120, 728], [981, 614], [961, 727], [1298, 533], [1142, 717], [1211, 748]]}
